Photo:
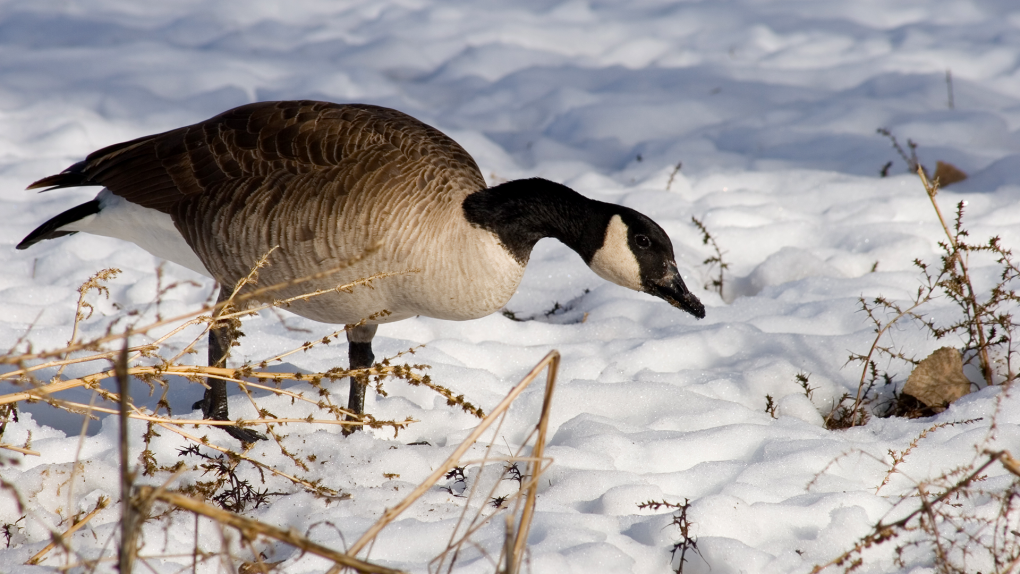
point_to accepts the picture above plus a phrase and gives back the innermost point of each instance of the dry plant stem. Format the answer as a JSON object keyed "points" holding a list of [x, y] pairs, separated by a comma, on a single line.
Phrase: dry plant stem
{"points": [[477, 521], [77, 466], [171, 425], [477, 524], [513, 562], [899, 457], [93, 282], [102, 503], [137, 414], [306, 346], [89, 345], [1008, 462], [507, 557], [235, 375], [672, 174], [249, 529], [19, 449], [240, 422], [884, 532], [551, 360], [303, 483], [345, 288], [717, 259], [986, 363], [874, 345], [89, 358], [128, 522]]}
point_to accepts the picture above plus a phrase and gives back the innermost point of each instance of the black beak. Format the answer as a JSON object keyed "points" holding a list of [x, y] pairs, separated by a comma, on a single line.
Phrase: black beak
{"points": [[672, 290]]}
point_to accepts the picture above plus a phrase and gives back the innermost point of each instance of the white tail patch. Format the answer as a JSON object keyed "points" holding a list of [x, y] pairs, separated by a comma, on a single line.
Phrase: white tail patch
{"points": [[153, 231], [615, 261]]}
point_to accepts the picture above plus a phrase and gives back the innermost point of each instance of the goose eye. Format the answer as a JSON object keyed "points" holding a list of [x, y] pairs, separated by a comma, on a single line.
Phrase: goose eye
{"points": [[642, 241]]}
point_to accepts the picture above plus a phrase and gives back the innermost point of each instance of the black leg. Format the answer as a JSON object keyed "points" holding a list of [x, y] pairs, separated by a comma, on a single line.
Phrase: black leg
{"points": [[359, 351], [214, 405]]}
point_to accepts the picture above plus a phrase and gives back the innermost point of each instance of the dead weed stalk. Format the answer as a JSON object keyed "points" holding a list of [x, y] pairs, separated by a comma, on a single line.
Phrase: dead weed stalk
{"points": [[948, 525], [985, 323], [687, 542], [40, 374], [510, 559], [714, 282], [967, 518]]}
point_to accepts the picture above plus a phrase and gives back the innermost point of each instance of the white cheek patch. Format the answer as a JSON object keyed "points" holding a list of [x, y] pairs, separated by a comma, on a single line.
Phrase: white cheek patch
{"points": [[615, 261]]}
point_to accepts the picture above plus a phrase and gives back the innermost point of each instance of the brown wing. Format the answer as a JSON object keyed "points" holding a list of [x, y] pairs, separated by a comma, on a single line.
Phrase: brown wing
{"points": [[318, 182], [259, 142]]}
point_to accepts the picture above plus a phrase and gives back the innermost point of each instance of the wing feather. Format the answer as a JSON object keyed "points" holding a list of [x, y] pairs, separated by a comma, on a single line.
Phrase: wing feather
{"points": [[256, 140]]}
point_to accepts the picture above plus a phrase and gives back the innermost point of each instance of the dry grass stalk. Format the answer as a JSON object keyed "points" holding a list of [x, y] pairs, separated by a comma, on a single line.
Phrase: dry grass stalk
{"points": [[156, 373], [515, 538], [22, 450], [314, 488], [551, 361], [217, 311], [101, 504], [672, 174], [986, 321], [132, 517], [250, 529], [898, 457], [715, 283], [963, 285], [196, 371], [927, 517], [687, 542], [512, 551], [46, 391], [29, 363]]}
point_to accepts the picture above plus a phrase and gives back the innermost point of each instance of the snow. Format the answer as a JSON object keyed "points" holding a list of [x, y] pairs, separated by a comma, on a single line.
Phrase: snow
{"points": [[772, 109]]}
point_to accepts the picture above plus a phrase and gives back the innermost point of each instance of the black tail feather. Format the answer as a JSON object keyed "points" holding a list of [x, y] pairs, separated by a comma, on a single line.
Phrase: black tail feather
{"points": [[73, 176], [51, 229]]}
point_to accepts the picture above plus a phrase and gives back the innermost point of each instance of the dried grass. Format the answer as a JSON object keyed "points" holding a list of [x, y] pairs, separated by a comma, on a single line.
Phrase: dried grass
{"points": [[151, 363]]}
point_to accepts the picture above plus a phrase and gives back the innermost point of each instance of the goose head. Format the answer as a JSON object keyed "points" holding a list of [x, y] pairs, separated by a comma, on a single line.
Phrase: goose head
{"points": [[637, 254], [618, 243]]}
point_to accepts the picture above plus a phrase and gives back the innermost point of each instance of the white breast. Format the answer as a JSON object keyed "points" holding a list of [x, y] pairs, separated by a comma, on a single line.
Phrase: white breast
{"points": [[452, 271]]}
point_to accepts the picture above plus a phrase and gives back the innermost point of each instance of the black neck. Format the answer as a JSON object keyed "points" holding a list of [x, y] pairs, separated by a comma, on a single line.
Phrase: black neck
{"points": [[523, 211]]}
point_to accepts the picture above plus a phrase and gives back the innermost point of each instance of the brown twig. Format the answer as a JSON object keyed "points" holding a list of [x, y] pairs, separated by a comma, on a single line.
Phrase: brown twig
{"points": [[512, 551], [250, 528], [552, 361], [22, 450], [102, 503], [130, 522], [91, 381], [986, 364], [95, 343], [885, 532], [672, 174]]}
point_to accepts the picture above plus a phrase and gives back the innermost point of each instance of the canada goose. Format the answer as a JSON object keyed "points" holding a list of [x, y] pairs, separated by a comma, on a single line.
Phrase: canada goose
{"points": [[323, 183]]}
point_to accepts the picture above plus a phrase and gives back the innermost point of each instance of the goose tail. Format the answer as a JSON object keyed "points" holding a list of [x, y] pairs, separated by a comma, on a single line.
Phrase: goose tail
{"points": [[54, 227]]}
